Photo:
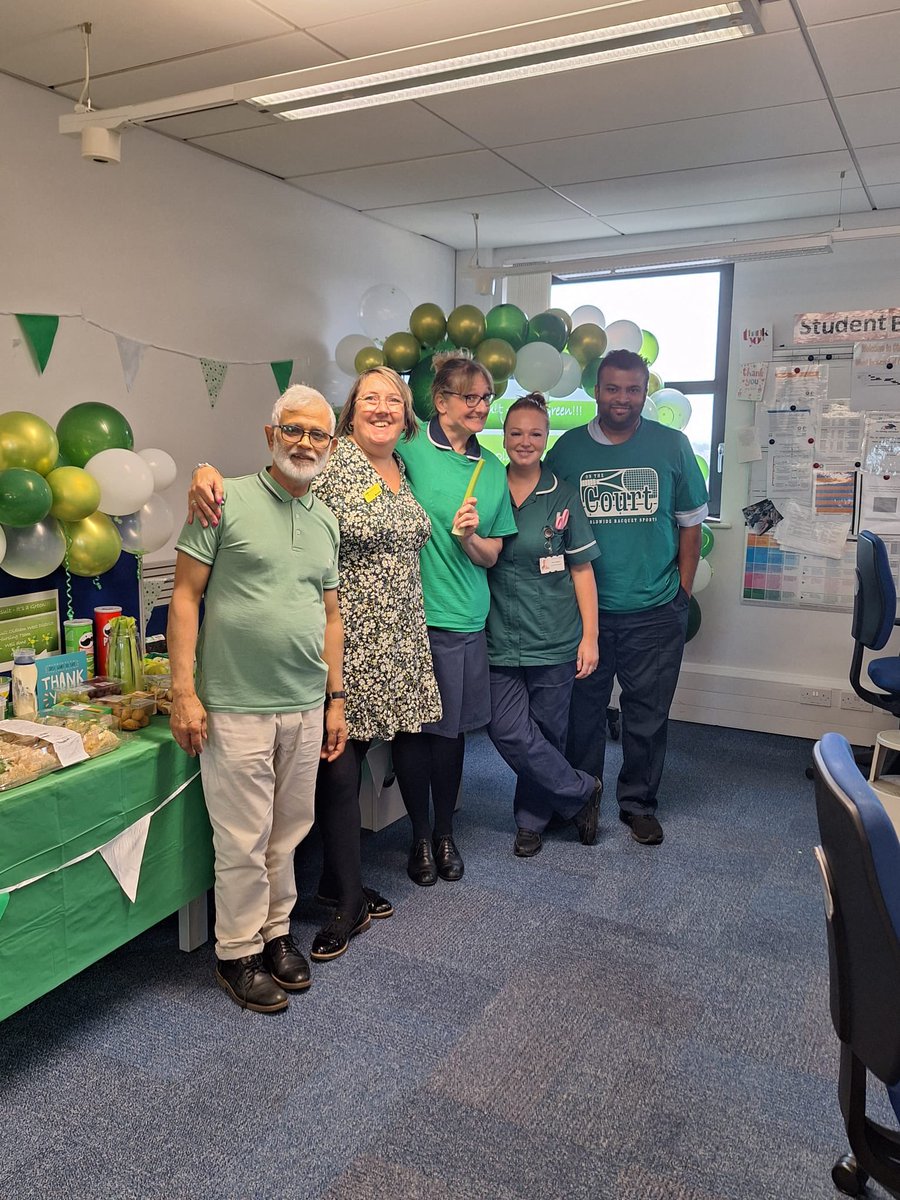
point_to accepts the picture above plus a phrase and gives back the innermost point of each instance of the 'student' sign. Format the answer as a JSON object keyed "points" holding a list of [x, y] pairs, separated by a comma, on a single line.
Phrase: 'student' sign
{"points": [[855, 325]]}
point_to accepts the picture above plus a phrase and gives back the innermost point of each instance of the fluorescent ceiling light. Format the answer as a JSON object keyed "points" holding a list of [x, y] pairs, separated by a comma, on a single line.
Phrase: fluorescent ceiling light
{"points": [[317, 94]]}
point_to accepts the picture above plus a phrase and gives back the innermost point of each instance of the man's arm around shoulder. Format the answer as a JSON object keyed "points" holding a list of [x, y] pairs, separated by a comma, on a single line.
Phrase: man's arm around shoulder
{"points": [[188, 717]]}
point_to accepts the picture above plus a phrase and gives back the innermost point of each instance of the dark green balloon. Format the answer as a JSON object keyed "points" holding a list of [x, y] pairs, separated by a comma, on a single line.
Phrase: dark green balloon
{"points": [[88, 428], [547, 327], [693, 624], [420, 380], [589, 376], [707, 541], [509, 323], [25, 497]]}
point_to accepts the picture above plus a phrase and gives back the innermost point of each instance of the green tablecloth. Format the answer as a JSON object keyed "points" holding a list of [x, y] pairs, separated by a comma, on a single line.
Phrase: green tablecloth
{"points": [[67, 919]]}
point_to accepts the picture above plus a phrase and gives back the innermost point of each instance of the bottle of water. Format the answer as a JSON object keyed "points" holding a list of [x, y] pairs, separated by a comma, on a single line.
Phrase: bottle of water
{"points": [[24, 684]]}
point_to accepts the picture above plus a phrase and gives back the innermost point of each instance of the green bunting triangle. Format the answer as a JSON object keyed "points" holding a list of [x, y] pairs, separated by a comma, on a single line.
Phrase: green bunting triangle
{"points": [[39, 332], [214, 376], [4, 900], [282, 372]]}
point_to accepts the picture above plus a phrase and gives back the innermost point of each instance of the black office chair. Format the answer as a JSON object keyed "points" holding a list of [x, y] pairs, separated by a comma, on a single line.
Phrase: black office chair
{"points": [[874, 618], [860, 863]]}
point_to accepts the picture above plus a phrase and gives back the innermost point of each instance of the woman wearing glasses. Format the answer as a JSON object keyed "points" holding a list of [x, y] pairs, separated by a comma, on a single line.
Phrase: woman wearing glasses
{"points": [[388, 678], [466, 539]]}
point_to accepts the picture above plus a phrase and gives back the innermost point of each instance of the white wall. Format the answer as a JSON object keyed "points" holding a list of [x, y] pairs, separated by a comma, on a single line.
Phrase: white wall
{"points": [[186, 252]]}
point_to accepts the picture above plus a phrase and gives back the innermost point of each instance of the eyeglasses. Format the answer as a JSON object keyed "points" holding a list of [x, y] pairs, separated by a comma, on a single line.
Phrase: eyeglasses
{"points": [[473, 399], [317, 438], [374, 401]]}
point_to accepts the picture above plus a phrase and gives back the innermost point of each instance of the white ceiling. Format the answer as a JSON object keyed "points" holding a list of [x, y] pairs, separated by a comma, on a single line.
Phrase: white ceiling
{"points": [[748, 131]]}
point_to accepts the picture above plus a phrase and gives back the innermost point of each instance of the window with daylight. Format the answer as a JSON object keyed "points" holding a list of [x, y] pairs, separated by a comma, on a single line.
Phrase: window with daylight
{"points": [[689, 313]]}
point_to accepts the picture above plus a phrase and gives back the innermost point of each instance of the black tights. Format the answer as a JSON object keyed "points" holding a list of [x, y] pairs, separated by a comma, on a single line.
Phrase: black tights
{"points": [[337, 816], [426, 763]]}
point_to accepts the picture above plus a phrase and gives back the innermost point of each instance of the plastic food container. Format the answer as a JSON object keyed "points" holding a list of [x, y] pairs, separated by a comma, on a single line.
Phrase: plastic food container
{"points": [[160, 686], [95, 726], [91, 690], [132, 712]]}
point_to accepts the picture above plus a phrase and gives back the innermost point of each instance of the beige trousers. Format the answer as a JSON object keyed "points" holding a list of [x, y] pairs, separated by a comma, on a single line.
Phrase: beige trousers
{"points": [[259, 780]]}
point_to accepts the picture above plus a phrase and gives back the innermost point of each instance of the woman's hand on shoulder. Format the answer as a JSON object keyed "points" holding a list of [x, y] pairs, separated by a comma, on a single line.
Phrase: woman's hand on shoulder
{"points": [[205, 496]]}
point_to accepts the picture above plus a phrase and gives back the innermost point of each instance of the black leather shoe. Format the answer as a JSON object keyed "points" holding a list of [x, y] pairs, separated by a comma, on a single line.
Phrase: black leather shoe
{"points": [[250, 985], [587, 818], [420, 865], [379, 906], [333, 939], [645, 828], [527, 843], [286, 964], [449, 862]]}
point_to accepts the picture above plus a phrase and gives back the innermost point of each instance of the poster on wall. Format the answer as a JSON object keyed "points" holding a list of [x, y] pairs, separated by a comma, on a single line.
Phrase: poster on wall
{"points": [[875, 377], [847, 326], [30, 620]]}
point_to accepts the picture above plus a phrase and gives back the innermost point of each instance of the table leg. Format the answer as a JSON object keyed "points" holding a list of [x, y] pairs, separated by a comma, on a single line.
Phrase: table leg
{"points": [[193, 927]]}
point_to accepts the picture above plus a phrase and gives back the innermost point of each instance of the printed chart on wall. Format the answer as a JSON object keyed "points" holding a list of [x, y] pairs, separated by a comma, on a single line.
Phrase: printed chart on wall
{"points": [[782, 577]]}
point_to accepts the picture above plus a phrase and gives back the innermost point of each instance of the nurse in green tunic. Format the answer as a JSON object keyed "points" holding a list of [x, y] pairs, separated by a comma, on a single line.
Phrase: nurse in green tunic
{"points": [[541, 634]]}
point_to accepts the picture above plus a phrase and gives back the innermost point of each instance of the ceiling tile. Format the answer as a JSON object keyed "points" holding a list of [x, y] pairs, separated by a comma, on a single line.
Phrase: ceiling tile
{"points": [[704, 141], [887, 196], [861, 55], [345, 140], [880, 164], [776, 208], [871, 118], [442, 177], [214, 120], [817, 12]]}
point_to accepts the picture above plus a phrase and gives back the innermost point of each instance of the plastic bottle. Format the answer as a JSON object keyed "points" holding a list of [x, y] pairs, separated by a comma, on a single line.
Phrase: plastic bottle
{"points": [[24, 684]]}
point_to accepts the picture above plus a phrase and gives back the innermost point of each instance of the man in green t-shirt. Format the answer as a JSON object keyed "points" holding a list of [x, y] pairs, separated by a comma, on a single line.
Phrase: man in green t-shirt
{"points": [[645, 497], [269, 654]]}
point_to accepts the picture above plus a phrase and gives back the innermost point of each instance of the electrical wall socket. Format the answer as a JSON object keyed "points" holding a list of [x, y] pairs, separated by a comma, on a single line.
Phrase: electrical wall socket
{"points": [[818, 696], [850, 702]]}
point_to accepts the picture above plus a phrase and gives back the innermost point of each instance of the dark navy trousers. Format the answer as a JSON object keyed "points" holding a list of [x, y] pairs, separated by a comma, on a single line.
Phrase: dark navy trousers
{"points": [[644, 649], [529, 718]]}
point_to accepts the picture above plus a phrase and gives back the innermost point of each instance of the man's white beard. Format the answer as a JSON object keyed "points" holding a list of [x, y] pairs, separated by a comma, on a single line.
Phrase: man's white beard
{"points": [[297, 472]]}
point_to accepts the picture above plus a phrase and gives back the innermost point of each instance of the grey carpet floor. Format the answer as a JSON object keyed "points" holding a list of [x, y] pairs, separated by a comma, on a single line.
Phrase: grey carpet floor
{"points": [[615, 1021]]}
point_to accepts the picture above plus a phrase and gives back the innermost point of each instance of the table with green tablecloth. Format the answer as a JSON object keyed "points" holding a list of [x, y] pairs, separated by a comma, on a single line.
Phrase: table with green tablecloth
{"points": [[61, 906]]}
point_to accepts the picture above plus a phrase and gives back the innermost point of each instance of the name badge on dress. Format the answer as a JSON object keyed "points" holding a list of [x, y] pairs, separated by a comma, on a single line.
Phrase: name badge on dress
{"points": [[553, 562], [372, 492]]}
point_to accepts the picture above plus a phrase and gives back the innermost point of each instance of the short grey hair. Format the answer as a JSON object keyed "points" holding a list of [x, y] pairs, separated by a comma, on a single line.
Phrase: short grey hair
{"points": [[301, 396]]}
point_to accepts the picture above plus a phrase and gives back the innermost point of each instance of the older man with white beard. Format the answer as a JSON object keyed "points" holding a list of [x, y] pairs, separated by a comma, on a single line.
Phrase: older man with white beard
{"points": [[268, 661]]}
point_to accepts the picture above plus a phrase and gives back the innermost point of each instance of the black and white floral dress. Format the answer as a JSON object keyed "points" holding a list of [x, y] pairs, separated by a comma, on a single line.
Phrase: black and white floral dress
{"points": [[388, 675]]}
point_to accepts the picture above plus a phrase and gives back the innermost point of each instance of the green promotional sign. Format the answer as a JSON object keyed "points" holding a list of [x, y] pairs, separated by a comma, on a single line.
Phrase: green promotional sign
{"points": [[28, 621]]}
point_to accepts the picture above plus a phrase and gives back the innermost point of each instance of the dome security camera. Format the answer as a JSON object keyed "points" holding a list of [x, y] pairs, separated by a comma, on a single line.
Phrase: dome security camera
{"points": [[101, 145]]}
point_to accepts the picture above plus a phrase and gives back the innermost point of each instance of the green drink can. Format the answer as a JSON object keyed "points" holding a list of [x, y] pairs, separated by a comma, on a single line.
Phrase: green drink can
{"points": [[79, 635]]}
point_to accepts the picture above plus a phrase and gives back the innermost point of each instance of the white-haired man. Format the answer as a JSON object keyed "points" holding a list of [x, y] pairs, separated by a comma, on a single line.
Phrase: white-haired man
{"points": [[268, 659]]}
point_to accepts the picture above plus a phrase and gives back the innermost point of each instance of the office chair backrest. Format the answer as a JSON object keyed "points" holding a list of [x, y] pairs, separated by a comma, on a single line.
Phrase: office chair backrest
{"points": [[860, 864], [875, 603]]}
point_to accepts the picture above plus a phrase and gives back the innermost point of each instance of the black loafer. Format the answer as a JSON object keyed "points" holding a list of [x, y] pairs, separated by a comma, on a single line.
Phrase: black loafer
{"points": [[379, 906], [645, 828], [286, 964], [420, 865], [448, 859], [527, 843], [250, 985], [333, 939], [588, 817]]}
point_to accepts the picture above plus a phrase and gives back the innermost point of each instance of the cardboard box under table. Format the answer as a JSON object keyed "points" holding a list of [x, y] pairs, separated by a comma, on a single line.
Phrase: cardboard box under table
{"points": [[75, 912]]}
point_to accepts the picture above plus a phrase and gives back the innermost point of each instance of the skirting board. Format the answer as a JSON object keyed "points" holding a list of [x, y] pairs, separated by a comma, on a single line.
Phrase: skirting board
{"points": [[710, 695]]}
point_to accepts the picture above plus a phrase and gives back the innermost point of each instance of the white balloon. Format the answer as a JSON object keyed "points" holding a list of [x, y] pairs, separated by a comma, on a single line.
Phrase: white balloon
{"points": [[35, 550], [332, 383], [126, 481], [588, 314], [383, 310], [162, 464], [148, 529], [650, 412], [347, 349], [673, 407], [2, 544], [570, 378], [624, 335], [539, 367], [703, 575]]}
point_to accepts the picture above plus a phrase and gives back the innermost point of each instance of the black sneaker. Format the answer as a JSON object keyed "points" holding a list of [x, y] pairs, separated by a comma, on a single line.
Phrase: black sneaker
{"points": [[250, 985], [644, 827], [527, 843], [286, 964], [587, 818]]}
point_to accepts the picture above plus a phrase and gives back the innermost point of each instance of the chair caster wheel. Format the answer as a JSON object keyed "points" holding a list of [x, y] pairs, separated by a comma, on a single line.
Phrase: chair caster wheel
{"points": [[847, 1176]]}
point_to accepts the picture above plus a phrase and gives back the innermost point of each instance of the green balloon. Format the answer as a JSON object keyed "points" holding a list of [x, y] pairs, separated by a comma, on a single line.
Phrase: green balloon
{"points": [[401, 352], [443, 347], [649, 350], [25, 497], [655, 383], [589, 376], [703, 465], [466, 326], [428, 324], [367, 358], [421, 377], [564, 317], [27, 441], [587, 342], [94, 545], [546, 327], [88, 428], [75, 493], [508, 322], [693, 624], [498, 356], [707, 541], [500, 386]]}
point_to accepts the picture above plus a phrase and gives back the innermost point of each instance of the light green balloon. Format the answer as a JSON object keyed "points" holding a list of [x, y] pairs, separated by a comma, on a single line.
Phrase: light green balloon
{"points": [[649, 350], [27, 441], [94, 545], [75, 493]]}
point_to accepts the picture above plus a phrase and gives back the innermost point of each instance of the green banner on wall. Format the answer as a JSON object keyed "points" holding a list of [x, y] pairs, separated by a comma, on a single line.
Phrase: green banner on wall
{"points": [[40, 332], [282, 372]]}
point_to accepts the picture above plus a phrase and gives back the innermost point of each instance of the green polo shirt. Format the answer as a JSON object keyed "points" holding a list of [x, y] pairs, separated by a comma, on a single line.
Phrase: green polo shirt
{"points": [[272, 557], [534, 619], [455, 589]]}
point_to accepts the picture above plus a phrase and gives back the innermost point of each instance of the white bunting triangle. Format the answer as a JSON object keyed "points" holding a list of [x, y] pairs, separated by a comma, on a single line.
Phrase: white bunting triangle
{"points": [[125, 854], [131, 353]]}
